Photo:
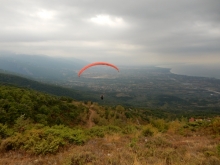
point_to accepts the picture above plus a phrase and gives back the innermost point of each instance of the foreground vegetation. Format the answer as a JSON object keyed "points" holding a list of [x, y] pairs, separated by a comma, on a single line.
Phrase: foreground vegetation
{"points": [[37, 128]]}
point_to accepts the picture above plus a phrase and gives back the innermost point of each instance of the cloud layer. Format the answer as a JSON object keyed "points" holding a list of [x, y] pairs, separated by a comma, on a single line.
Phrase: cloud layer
{"points": [[123, 32]]}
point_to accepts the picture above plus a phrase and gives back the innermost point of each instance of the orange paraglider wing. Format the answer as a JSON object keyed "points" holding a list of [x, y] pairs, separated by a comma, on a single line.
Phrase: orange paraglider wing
{"points": [[94, 64]]}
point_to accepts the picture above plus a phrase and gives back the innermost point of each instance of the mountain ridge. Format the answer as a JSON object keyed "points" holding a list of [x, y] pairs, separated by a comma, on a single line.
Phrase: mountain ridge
{"points": [[40, 67]]}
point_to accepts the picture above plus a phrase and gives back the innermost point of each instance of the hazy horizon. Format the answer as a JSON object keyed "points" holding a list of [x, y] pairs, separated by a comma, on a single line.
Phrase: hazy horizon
{"points": [[189, 69], [199, 70]]}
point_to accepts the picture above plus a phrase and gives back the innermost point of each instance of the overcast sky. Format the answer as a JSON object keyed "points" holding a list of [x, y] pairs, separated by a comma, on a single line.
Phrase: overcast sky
{"points": [[118, 31]]}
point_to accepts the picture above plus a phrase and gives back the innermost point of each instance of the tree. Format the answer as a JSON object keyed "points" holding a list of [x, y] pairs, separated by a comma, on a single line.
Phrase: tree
{"points": [[120, 109]]}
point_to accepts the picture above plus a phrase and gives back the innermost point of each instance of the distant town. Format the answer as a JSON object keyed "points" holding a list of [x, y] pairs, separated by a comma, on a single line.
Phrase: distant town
{"points": [[151, 87]]}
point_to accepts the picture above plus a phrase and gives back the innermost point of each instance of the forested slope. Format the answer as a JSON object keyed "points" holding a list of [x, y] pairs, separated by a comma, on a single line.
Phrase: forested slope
{"points": [[43, 87], [38, 128]]}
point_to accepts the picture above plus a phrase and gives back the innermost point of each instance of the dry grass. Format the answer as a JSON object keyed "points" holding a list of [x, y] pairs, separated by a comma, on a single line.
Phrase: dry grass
{"points": [[161, 149]]}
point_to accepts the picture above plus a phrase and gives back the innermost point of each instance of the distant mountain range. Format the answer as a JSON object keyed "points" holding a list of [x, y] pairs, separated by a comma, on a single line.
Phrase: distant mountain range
{"points": [[41, 68], [45, 74], [57, 76]]}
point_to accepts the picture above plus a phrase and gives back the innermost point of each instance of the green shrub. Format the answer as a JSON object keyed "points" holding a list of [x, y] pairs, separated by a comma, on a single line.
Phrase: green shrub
{"points": [[120, 122], [216, 125], [120, 108], [100, 131], [7, 144], [218, 149], [96, 131], [158, 142], [43, 140], [193, 124], [49, 144], [13, 142], [35, 141], [102, 121], [128, 115], [133, 142], [209, 153], [129, 129], [5, 131], [149, 130], [76, 136], [112, 129], [160, 124]]}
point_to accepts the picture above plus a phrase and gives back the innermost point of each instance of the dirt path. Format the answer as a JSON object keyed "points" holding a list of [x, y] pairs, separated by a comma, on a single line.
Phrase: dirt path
{"points": [[91, 117]]}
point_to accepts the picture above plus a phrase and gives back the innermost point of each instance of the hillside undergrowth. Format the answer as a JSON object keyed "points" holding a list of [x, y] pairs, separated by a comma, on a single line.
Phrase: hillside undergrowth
{"points": [[37, 128]]}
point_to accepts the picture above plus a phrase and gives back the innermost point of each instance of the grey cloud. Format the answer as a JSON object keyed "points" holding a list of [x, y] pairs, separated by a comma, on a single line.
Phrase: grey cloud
{"points": [[154, 29]]}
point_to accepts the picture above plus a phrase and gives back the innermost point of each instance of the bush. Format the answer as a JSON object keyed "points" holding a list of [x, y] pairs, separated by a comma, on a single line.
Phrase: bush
{"points": [[96, 131], [76, 136], [216, 125], [133, 142], [209, 153], [218, 149], [34, 142], [112, 129], [43, 140], [102, 122], [7, 144], [158, 142], [129, 129], [38, 143], [160, 124], [102, 131], [5, 131], [149, 130], [22, 124], [83, 158], [120, 108]]}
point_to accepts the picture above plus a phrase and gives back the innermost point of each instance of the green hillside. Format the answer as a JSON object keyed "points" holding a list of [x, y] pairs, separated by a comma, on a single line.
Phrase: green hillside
{"points": [[79, 94], [38, 128], [162, 106], [28, 116], [39, 107]]}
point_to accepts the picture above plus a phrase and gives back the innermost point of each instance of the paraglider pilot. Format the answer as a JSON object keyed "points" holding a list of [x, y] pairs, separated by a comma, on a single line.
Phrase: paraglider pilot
{"points": [[102, 97]]}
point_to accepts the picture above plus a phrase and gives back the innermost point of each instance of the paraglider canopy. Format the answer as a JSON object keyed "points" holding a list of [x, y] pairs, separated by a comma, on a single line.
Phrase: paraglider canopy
{"points": [[94, 64]]}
